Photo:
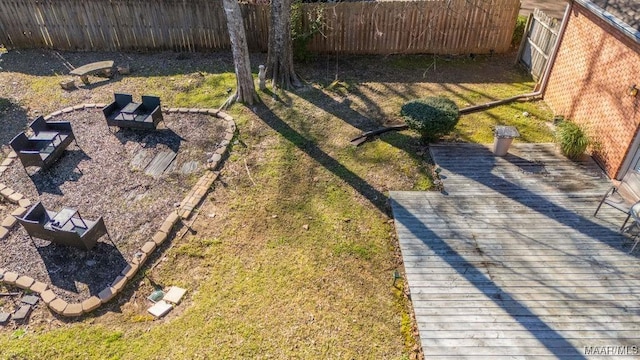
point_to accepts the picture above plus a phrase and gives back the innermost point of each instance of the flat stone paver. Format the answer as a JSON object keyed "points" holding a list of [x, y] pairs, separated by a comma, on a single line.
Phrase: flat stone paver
{"points": [[160, 163], [509, 262], [4, 317], [22, 313], [30, 299], [174, 295]]}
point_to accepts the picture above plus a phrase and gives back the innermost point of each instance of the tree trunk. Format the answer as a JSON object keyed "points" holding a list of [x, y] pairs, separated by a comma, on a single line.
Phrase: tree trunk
{"points": [[280, 55], [246, 88]]}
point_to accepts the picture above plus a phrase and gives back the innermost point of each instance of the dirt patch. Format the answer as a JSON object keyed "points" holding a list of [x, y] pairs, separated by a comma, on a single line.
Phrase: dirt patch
{"points": [[105, 174]]}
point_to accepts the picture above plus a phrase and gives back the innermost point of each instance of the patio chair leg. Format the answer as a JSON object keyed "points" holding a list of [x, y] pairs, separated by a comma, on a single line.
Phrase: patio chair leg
{"points": [[625, 222], [635, 244]]}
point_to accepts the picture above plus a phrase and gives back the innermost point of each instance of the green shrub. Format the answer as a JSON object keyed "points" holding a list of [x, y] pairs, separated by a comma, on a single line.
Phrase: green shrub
{"points": [[518, 32], [301, 36], [572, 139], [431, 117]]}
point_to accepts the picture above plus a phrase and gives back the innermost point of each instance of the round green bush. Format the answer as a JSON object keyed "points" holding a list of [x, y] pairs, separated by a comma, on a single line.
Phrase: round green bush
{"points": [[572, 139], [431, 117]]}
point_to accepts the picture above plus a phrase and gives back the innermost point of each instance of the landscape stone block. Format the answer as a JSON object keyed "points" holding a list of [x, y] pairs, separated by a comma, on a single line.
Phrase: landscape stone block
{"points": [[79, 107], [67, 110], [24, 282], [91, 304], [225, 116], [106, 294], [3, 232], [183, 110], [56, 113], [139, 258], [6, 192], [129, 271], [194, 111], [148, 247], [183, 214], [228, 136], [89, 106], [2, 186], [213, 112], [6, 162], [48, 296], [15, 197], [38, 287], [9, 221], [119, 283], [19, 211], [100, 105], [58, 305], [73, 310], [10, 277], [159, 237], [25, 203], [3, 169], [12, 155]]}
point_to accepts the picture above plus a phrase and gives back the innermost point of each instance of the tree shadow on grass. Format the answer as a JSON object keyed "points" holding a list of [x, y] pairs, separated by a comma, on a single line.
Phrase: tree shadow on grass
{"points": [[377, 198]]}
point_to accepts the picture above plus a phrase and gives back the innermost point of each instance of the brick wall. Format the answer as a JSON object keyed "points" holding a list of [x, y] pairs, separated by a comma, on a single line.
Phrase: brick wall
{"points": [[595, 66]]}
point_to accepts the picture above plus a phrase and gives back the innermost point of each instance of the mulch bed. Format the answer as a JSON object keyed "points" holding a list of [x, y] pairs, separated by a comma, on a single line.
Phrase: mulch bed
{"points": [[97, 177]]}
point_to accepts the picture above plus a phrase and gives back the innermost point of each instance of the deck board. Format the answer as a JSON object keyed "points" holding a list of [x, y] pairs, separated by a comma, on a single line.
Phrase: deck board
{"points": [[509, 262]]}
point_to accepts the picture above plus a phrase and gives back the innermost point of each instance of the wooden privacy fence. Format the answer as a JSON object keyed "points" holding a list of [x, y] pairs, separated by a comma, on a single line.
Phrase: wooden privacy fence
{"points": [[433, 26], [440, 27], [540, 37]]}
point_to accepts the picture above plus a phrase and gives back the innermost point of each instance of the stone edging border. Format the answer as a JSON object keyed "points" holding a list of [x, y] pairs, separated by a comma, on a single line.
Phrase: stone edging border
{"points": [[190, 202]]}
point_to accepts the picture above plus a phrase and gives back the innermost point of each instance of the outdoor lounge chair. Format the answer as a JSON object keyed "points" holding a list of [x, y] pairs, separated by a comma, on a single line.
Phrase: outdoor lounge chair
{"points": [[43, 149], [39, 125], [634, 211], [151, 105], [623, 196], [77, 232], [124, 113], [34, 221]]}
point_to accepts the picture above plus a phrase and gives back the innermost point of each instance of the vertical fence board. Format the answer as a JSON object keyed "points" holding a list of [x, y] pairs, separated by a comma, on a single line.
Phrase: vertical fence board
{"points": [[539, 42], [435, 26]]}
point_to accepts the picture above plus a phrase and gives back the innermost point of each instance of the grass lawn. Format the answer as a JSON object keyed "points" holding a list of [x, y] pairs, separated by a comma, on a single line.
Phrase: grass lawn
{"points": [[293, 252]]}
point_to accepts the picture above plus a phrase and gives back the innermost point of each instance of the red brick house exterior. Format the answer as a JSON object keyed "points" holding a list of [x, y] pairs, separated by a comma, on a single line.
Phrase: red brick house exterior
{"points": [[596, 64]]}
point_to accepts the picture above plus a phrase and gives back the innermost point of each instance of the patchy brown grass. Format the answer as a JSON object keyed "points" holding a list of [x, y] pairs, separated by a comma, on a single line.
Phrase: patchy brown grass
{"points": [[292, 254]]}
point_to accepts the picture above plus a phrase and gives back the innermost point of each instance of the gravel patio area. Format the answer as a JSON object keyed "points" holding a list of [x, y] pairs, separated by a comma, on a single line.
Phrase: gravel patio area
{"points": [[104, 175]]}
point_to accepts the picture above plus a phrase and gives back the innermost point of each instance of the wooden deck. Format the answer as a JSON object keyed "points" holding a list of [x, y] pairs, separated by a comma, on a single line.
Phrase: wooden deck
{"points": [[509, 262]]}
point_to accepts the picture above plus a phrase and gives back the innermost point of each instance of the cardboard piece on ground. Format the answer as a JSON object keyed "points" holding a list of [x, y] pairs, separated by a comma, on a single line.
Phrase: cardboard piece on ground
{"points": [[160, 309]]}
